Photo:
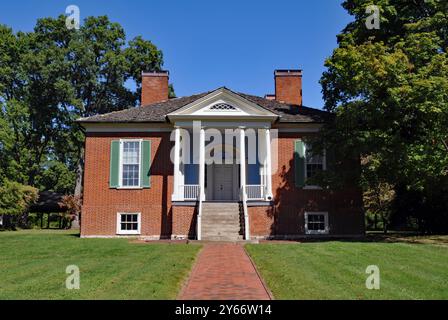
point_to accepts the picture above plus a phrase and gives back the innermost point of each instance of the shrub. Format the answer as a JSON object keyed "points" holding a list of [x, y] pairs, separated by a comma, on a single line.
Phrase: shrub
{"points": [[15, 199]]}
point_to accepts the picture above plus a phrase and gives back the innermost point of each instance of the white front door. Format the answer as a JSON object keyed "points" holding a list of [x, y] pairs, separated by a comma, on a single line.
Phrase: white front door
{"points": [[223, 186]]}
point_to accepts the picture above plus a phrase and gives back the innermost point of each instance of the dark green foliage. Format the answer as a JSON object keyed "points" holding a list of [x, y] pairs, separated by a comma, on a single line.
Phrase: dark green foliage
{"points": [[389, 91], [52, 76]]}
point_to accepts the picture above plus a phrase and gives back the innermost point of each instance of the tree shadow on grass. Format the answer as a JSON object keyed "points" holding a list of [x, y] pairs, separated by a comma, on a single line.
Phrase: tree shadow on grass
{"points": [[393, 237]]}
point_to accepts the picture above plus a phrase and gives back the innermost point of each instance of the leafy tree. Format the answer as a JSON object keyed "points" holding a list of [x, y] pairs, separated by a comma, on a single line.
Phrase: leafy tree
{"points": [[52, 76], [15, 198], [388, 89], [73, 205]]}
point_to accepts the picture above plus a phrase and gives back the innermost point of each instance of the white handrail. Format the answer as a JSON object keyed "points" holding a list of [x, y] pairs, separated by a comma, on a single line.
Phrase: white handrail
{"points": [[255, 191], [189, 191], [246, 214], [199, 222]]}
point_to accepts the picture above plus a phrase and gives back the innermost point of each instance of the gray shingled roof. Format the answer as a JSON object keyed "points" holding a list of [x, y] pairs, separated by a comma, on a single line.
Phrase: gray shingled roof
{"points": [[157, 112]]}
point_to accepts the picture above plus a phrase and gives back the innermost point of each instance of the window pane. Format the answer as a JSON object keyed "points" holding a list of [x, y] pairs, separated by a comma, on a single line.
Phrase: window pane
{"points": [[131, 152], [130, 175], [316, 222], [314, 163], [129, 222], [130, 161], [312, 169]]}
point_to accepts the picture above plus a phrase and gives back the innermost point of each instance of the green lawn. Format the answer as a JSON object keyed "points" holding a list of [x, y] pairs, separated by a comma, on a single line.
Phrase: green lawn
{"points": [[33, 264], [336, 270]]}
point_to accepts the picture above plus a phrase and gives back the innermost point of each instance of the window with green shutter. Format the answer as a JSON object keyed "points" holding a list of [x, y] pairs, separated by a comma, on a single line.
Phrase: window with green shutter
{"points": [[130, 162], [299, 163]]}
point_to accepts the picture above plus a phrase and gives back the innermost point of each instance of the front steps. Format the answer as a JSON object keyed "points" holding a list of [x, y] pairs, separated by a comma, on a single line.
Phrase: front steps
{"points": [[221, 221]]}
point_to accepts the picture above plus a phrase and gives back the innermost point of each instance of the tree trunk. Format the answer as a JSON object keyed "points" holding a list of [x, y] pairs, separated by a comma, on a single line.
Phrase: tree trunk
{"points": [[384, 224], [375, 221], [76, 223], [79, 173]]}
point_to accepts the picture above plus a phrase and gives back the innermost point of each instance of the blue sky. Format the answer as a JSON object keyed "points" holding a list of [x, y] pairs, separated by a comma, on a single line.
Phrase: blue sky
{"points": [[208, 44]]}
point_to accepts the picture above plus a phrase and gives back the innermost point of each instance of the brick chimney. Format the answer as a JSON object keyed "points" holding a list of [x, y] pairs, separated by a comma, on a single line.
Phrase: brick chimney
{"points": [[154, 87], [288, 86]]}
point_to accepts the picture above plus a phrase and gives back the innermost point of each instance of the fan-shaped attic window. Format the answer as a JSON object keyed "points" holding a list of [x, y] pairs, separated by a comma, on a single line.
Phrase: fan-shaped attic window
{"points": [[223, 106]]}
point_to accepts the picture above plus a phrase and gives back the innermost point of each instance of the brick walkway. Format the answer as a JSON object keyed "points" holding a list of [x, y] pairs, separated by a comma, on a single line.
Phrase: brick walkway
{"points": [[224, 272]]}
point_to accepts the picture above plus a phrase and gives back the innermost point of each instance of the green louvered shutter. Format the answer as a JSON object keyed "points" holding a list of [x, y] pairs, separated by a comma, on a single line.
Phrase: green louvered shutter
{"points": [[299, 163], [146, 164], [114, 163]]}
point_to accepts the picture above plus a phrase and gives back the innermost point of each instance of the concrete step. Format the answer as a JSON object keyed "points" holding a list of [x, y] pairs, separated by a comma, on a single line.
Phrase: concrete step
{"points": [[216, 203], [227, 227], [220, 212], [221, 238], [229, 233], [221, 206], [215, 224], [235, 232], [223, 226], [221, 221]]}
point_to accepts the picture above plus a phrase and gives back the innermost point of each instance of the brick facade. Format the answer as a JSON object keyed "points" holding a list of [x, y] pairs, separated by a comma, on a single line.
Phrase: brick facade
{"points": [[101, 203], [160, 219], [286, 217]]}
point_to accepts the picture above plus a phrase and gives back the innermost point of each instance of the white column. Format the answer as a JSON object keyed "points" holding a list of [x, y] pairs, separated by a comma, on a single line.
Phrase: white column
{"points": [[242, 158], [268, 171], [176, 173], [202, 163]]}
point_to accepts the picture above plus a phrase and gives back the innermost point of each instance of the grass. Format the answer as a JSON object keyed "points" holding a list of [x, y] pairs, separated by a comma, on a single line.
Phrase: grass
{"points": [[336, 270], [33, 265]]}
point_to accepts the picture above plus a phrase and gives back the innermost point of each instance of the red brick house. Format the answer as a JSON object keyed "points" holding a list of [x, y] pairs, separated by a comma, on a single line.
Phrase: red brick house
{"points": [[176, 168]]}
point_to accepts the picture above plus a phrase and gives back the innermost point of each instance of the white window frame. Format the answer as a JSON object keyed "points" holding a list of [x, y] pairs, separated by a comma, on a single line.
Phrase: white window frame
{"points": [[129, 232], [325, 214], [324, 167], [120, 167]]}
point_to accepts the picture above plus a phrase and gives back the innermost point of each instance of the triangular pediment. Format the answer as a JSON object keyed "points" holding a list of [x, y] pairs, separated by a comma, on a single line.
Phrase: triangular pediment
{"points": [[222, 103]]}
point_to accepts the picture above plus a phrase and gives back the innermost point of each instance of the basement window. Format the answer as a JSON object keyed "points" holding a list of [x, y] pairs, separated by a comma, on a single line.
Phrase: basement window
{"points": [[316, 223], [128, 223]]}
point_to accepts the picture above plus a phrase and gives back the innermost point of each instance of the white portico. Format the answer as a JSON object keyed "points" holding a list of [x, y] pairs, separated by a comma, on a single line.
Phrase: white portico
{"points": [[222, 149]]}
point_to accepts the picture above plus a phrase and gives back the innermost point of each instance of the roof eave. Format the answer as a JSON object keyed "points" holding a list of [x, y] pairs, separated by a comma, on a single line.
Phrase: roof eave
{"points": [[174, 118]]}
